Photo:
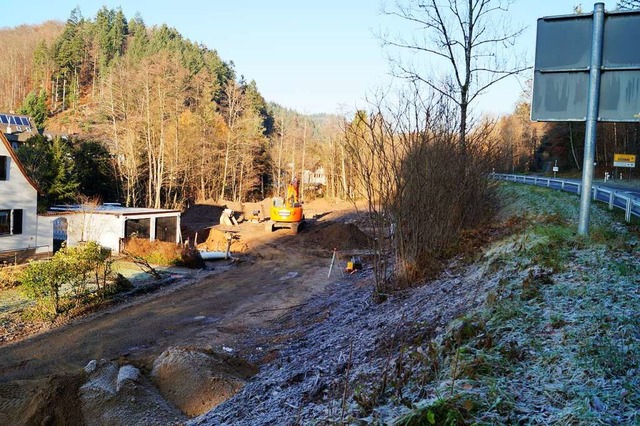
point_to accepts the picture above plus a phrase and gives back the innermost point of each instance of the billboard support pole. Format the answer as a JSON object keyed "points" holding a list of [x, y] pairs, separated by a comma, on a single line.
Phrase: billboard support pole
{"points": [[592, 117]]}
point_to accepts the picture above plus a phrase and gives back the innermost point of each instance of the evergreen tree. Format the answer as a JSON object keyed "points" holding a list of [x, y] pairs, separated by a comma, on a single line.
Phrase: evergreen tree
{"points": [[110, 32], [50, 165], [64, 184], [94, 171], [259, 105], [138, 39], [69, 48], [69, 52], [35, 106]]}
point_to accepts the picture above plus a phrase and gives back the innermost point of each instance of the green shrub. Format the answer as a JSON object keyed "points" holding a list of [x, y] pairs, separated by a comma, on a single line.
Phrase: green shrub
{"points": [[42, 280], [78, 267], [439, 412]]}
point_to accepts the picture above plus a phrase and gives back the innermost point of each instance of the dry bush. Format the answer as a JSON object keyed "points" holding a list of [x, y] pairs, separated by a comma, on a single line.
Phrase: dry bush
{"points": [[10, 275], [164, 253], [423, 186]]}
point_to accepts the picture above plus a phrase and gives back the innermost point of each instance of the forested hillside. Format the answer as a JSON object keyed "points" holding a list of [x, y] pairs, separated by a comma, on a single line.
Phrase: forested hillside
{"points": [[179, 123]]}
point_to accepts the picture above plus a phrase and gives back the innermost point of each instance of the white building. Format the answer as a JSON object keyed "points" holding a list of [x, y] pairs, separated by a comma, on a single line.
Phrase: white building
{"points": [[23, 232], [110, 225], [316, 177], [18, 206]]}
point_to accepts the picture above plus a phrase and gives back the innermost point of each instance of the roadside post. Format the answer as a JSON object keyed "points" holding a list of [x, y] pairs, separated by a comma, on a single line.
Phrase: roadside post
{"points": [[587, 69], [593, 103]]}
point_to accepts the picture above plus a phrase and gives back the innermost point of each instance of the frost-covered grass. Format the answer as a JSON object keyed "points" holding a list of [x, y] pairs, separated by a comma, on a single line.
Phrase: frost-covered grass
{"points": [[558, 340]]}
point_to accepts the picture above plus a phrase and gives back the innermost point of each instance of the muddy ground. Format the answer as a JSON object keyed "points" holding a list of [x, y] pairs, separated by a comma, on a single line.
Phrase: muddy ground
{"points": [[225, 313]]}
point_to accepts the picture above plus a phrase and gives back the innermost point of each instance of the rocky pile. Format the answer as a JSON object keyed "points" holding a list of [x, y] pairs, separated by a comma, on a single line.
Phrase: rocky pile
{"points": [[183, 383]]}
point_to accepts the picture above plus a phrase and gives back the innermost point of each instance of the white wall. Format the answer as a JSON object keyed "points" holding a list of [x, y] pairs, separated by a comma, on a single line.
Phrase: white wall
{"points": [[107, 229], [17, 193], [45, 234], [104, 229]]}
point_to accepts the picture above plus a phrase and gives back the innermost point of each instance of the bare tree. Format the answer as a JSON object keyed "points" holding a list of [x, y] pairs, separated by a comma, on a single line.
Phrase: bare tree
{"points": [[406, 164], [468, 44]]}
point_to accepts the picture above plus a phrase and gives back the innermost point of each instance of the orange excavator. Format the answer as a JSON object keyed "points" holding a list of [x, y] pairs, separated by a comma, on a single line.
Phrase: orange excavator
{"points": [[286, 212]]}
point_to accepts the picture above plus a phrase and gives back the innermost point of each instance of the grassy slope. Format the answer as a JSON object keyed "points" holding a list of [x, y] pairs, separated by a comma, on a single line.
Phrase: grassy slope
{"points": [[558, 341]]}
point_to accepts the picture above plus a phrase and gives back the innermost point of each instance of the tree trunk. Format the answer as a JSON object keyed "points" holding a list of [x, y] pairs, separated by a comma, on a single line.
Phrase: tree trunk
{"points": [[573, 150], [304, 148], [226, 165]]}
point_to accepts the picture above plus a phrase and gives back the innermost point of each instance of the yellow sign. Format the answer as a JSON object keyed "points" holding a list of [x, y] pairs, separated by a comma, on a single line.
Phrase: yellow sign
{"points": [[624, 160]]}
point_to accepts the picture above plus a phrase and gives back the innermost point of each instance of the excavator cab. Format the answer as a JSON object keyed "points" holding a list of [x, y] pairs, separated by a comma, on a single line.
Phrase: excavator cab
{"points": [[286, 212]]}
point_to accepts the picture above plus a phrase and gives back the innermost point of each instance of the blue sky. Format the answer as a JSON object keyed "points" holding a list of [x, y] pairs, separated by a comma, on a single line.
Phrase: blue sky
{"points": [[312, 56]]}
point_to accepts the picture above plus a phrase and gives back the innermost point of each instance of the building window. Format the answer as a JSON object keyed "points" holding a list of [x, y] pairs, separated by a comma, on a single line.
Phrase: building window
{"points": [[4, 165], [140, 228], [5, 222], [11, 222], [166, 229]]}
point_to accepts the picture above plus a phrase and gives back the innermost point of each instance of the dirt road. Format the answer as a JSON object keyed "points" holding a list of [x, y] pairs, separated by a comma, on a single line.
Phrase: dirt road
{"points": [[220, 310]]}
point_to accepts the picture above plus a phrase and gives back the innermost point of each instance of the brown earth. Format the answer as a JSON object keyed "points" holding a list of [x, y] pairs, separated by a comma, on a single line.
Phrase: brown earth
{"points": [[216, 313], [341, 236]]}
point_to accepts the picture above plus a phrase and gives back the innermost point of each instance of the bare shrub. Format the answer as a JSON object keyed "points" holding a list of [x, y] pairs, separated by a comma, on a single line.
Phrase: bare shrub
{"points": [[422, 189]]}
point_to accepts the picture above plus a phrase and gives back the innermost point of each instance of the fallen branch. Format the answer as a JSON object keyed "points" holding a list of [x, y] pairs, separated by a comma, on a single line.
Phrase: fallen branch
{"points": [[143, 264]]}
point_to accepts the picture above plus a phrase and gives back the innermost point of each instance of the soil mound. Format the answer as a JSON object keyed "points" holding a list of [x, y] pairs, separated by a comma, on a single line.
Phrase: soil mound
{"points": [[198, 217], [196, 381], [342, 236], [261, 208], [216, 240], [202, 213], [53, 400]]}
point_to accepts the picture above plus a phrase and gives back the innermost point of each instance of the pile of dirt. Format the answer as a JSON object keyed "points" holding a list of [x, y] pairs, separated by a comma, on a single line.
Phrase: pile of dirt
{"points": [[341, 236], [48, 401], [261, 208], [198, 217], [196, 381], [233, 205], [216, 240]]}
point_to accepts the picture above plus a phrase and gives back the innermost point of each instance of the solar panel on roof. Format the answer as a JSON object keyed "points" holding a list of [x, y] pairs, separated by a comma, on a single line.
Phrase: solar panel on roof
{"points": [[25, 121], [12, 120], [4, 119]]}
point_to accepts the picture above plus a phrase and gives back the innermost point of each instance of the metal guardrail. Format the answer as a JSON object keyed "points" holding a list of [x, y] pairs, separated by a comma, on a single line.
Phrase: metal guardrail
{"points": [[614, 198]]}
